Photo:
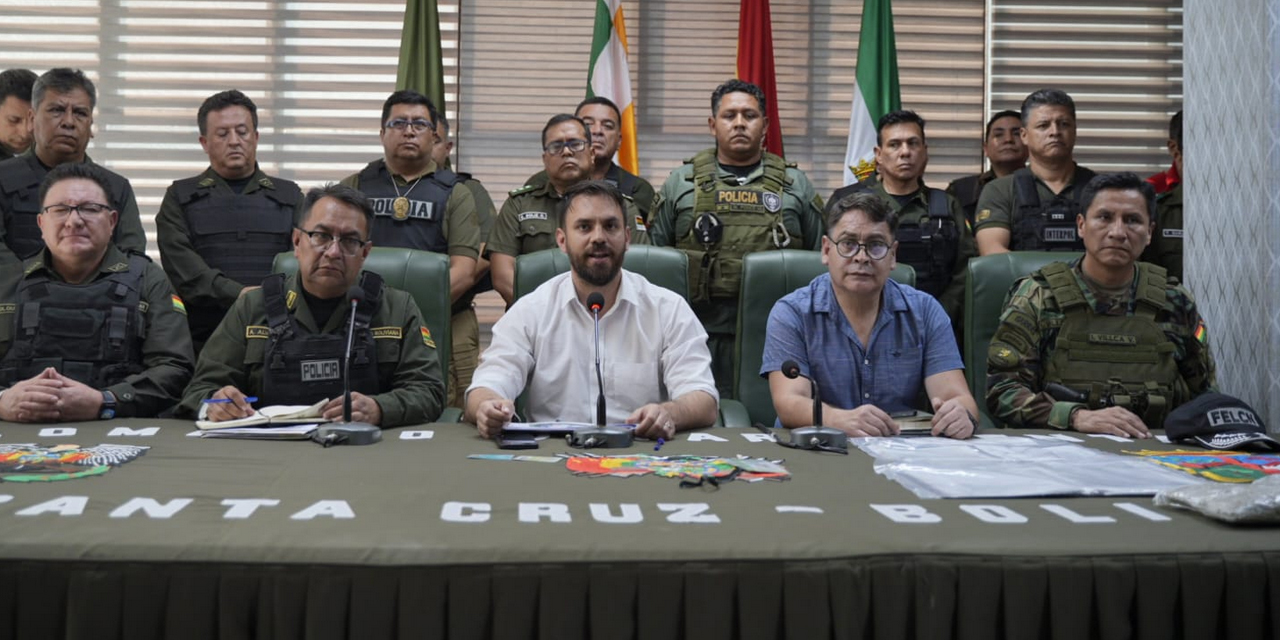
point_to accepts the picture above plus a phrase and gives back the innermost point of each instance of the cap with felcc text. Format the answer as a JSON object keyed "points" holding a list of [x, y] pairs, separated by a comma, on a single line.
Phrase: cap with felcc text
{"points": [[1219, 421]]}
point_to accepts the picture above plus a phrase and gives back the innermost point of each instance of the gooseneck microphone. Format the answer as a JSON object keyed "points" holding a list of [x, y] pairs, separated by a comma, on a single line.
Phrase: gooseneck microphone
{"points": [[595, 302], [356, 294], [601, 436], [815, 436], [348, 432]]}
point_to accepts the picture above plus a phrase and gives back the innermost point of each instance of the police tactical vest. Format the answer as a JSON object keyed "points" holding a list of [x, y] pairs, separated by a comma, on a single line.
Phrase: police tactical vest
{"points": [[21, 186], [91, 333], [1051, 226], [1126, 360], [421, 225], [301, 367], [930, 245], [239, 234], [750, 217]]}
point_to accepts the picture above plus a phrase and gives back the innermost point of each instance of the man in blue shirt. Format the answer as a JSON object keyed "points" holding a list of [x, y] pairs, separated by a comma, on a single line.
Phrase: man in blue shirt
{"points": [[870, 343]]}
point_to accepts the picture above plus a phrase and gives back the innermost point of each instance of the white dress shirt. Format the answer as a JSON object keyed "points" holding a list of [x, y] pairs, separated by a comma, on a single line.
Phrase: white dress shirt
{"points": [[652, 349]]}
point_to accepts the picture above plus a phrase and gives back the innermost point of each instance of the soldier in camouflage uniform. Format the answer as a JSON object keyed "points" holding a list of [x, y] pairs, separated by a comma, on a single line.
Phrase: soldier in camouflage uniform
{"points": [[1106, 344], [727, 201]]}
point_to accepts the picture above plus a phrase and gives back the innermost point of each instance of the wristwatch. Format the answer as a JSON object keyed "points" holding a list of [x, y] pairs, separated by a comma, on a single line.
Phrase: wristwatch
{"points": [[108, 410]]}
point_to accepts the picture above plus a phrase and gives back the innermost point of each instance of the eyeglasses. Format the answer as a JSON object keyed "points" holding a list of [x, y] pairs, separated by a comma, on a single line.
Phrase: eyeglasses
{"points": [[87, 210], [848, 248], [418, 126], [556, 148], [322, 240]]}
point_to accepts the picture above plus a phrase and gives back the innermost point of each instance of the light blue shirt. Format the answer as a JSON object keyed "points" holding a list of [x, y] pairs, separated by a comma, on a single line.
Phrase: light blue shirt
{"points": [[911, 340]]}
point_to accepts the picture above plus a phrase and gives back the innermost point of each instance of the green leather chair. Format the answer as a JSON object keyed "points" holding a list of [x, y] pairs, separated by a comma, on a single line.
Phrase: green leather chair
{"points": [[767, 276], [663, 266], [425, 276], [987, 284]]}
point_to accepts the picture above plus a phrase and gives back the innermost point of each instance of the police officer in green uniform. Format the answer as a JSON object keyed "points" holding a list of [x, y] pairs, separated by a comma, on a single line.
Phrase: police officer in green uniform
{"points": [[15, 104], [604, 120], [1106, 344], [1166, 247], [86, 331], [62, 107], [1035, 208], [220, 231], [527, 221], [417, 204], [726, 202], [285, 342], [932, 235], [464, 327], [1002, 145]]}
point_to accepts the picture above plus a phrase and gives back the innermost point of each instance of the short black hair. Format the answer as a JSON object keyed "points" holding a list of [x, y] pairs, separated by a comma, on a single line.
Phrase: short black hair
{"points": [[1007, 113], [876, 210], [900, 116], [1123, 181], [600, 100], [590, 188], [408, 96], [736, 85], [63, 80], [17, 83], [1042, 97], [442, 126], [564, 117], [74, 171], [343, 194], [1175, 128], [222, 100]]}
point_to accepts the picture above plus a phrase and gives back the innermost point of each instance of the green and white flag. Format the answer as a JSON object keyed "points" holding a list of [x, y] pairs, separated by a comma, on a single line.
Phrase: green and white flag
{"points": [[876, 92]]}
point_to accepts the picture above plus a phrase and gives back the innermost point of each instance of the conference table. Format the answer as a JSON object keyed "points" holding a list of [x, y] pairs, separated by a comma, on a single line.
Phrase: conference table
{"points": [[412, 538]]}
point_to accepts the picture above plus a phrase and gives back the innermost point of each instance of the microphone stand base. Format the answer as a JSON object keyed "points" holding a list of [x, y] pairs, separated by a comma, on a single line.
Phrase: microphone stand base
{"points": [[819, 438], [352, 433], [601, 438]]}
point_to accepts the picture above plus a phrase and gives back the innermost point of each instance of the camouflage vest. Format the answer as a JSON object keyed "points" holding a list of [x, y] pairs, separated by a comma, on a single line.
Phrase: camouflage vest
{"points": [[730, 221], [1125, 361]]}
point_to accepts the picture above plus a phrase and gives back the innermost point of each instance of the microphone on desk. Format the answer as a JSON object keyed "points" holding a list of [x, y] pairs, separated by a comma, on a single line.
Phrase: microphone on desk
{"points": [[601, 436], [356, 433], [815, 436]]}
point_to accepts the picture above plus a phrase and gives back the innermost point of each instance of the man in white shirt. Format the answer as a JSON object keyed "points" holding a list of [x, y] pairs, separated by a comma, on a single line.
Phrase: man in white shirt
{"points": [[654, 356]]}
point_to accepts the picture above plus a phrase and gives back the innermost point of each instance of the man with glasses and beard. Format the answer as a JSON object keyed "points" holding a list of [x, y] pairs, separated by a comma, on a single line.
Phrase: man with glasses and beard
{"points": [[870, 343], [285, 342], [657, 369], [527, 221]]}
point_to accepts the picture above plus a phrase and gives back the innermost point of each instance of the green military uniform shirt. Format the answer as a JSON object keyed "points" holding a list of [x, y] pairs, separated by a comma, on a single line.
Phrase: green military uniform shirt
{"points": [[1025, 341], [998, 204], [916, 210], [631, 185], [460, 225], [235, 352], [128, 235], [1166, 244], [198, 283], [527, 222], [166, 348]]}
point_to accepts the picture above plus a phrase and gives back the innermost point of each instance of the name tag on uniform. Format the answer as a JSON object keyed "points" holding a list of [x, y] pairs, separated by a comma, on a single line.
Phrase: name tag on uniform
{"points": [[531, 215], [1172, 233], [1059, 234], [1113, 338], [386, 333], [257, 331], [8, 308], [320, 370]]}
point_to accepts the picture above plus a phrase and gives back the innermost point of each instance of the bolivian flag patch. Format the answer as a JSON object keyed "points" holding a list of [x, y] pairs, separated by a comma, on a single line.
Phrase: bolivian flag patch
{"points": [[1202, 334], [426, 338], [178, 306]]}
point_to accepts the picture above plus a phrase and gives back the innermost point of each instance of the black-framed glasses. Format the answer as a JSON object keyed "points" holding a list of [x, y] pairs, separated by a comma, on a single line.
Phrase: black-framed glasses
{"points": [[556, 148], [322, 240], [417, 126], [87, 210], [848, 248]]}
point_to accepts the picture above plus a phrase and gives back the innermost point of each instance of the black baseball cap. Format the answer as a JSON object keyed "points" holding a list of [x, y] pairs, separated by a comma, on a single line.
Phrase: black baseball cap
{"points": [[1218, 421]]}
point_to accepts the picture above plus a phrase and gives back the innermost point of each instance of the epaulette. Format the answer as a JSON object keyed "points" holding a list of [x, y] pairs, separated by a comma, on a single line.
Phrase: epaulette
{"points": [[522, 190]]}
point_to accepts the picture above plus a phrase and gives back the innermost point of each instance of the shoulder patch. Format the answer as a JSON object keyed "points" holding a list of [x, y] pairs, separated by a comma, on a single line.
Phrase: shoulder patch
{"points": [[640, 223], [983, 215], [1202, 333], [257, 331], [525, 189], [1003, 354], [426, 338], [8, 308], [386, 333], [178, 304]]}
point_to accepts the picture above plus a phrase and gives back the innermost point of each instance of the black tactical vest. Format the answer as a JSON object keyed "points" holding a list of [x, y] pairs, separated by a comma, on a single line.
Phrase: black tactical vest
{"points": [[931, 245], [1051, 226], [420, 225], [239, 234], [301, 367], [91, 333], [20, 179]]}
